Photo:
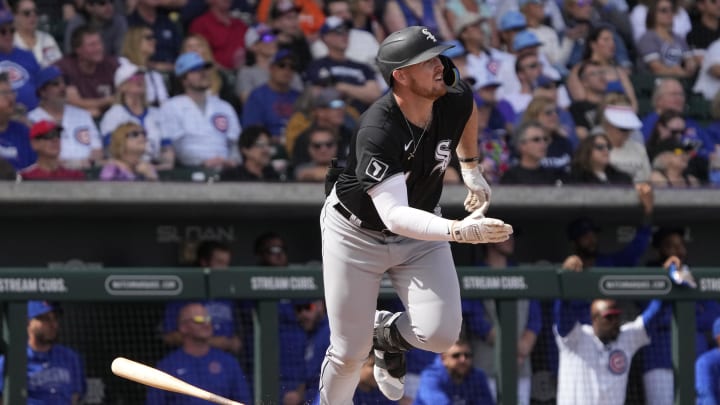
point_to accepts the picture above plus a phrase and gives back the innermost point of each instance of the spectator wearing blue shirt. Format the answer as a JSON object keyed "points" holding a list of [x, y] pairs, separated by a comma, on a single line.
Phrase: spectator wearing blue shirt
{"points": [[20, 65], [214, 255], [54, 372], [200, 364], [707, 372], [452, 379], [272, 103], [15, 145]]}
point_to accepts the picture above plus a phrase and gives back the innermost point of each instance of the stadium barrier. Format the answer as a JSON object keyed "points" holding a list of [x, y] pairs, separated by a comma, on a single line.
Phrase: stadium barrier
{"points": [[268, 285]]}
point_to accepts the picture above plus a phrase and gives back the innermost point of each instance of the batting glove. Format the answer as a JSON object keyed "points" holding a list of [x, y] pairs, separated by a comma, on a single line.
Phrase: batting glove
{"points": [[475, 228], [479, 189]]}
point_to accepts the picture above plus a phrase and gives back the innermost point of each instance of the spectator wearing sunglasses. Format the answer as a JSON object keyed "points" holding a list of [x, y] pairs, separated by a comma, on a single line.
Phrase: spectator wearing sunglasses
{"points": [[451, 377], [14, 140], [706, 29], [672, 126], [591, 163], [165, 34], [618, 121], [362, 45], [256, 150], [272, 103], [199, 363], [322, 148], [81, 146], [45, 141], [139, 48], [670, 160], [660, 50], [531, 144], [131, 106], [128, 144], [20, 65], [262, 46], [100, 15], [311, 316], [29, 38], [546, 112]]}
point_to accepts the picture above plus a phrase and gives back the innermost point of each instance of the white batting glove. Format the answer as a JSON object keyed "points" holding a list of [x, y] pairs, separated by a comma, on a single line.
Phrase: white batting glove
{"points": [[479, 189], [475, 228]]}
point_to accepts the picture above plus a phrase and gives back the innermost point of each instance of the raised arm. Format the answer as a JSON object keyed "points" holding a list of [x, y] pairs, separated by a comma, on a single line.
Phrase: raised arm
{"points": [[567, 315]]}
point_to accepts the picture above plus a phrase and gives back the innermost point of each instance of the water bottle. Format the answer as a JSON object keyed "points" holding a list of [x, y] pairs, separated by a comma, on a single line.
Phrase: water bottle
{"points": [[714, 167]]}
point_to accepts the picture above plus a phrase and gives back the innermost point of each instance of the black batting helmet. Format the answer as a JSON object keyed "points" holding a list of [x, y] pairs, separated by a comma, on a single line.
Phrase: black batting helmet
{"points": [[406, 47]]}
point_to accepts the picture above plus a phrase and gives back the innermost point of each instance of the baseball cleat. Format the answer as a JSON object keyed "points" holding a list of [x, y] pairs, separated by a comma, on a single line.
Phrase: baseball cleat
{"points": [[389, 372]]}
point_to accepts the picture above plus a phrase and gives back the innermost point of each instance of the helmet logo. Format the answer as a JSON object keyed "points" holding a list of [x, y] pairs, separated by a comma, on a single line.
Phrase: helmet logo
{"points": [[428, 35]]}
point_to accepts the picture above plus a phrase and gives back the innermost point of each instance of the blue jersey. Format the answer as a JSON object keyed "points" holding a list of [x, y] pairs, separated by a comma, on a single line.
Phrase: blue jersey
{"points": [[269, 108], [15, 146], [217, 372], [221, 312], [53, 377], [438, 388], [707, 378], [22, 69], [317, 344]]}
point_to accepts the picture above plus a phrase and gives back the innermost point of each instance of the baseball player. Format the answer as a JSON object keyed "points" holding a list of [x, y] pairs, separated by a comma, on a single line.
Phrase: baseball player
{"points": [[595, 359], [707, 372], [382, 215]]}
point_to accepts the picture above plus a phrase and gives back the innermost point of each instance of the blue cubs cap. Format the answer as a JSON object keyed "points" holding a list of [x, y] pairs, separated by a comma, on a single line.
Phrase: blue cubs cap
{"points": [[716, 327], [525, 39], [37, 308], [188, 62], [281, 54], [47, 75], [6, 17], [615, 86], [512, 20]]}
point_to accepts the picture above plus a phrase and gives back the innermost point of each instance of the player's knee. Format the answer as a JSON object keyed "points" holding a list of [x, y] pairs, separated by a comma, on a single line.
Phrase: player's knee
{"points": [[349, 359], [441, 338]]}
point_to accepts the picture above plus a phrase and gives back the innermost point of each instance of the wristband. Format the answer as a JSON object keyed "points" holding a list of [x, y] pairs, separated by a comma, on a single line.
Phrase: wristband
{"points": [[468, 160]]}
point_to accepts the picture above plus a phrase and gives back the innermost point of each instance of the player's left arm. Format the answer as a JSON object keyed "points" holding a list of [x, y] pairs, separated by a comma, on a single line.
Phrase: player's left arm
{"points": [[469, 157]]}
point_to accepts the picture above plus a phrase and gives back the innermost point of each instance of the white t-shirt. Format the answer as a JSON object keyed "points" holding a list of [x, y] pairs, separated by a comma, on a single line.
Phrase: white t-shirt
{"points": [[706, 84], [200, 135], [362, 47], [593, 373], [80, 135], [46, 49], [681, 22], [486, 64], [119, 114]]}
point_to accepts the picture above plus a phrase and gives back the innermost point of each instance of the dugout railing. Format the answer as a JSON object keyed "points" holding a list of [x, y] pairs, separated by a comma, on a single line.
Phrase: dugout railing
{"points": [[268, 285]]}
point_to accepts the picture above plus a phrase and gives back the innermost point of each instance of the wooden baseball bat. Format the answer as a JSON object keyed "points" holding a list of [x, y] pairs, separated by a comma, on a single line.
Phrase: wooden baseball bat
{"points": [[153, 377]]}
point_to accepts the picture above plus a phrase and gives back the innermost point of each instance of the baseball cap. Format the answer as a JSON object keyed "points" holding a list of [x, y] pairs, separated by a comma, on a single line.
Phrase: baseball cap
{"points": [[512, 20], [329, 98], [525, 39], [486, 80], [281, 55], [124, 72], [6, 17], [522, 3], [283, 7], [43, 127], [258, 33], [189, 61], [669, 145], [716, 327], [37, 308], [546, 81], [466, 20], [622, 117], [47, 75], [610, 311], [580, 227], [334, 24]]}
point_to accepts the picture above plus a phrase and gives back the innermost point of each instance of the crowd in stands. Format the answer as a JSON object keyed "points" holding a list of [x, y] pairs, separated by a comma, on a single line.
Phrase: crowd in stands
{"points": [[571, 91]]}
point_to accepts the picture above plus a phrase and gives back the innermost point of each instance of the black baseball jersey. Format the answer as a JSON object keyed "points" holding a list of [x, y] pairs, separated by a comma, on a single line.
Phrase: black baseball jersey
{"points": [[384, 145]]}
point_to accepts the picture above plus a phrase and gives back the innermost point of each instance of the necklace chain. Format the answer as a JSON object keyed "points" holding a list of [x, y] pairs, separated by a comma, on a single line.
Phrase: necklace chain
{"points": [[412, 134]]}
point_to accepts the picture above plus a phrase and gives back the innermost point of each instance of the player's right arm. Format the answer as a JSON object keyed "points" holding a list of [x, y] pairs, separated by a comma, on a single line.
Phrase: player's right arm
{"points": [[566, 316]]}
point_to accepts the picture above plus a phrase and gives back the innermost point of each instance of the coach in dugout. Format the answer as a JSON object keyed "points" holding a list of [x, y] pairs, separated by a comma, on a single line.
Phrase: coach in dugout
{"points": [[200, 364], [54, 372], [595, 359]]}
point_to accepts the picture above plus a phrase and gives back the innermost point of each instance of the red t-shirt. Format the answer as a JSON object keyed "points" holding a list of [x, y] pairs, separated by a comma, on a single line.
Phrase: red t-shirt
{"points": [[35, 172], [225, 40]]}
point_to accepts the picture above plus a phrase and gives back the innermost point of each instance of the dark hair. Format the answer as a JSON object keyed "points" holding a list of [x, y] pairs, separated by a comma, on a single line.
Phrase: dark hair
{"points": [[584, 65], [326, 7], [650, 21], [251, 134], [4, 78], [206, 249], [77, 37], [663, 233], [581, 157], [593, 36], [520, 59], [663, 120], [261, 240]]}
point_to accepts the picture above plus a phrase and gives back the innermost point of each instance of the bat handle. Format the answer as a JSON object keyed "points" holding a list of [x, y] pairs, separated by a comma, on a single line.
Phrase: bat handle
{"points": [[221, 400]]}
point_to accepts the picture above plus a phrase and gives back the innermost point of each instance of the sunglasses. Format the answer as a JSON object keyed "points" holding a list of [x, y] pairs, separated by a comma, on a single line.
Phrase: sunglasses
{"points": [[664, 10], [149, 37], [275, 250], [261, 145], [136, 134], [457, 355], [28, 13], [98, 2], [199, 319], [678, 131], [304, 307], [54, 82], [285, 65], [538, 139], [531, 66], [550, 112], [602, 147], [7, 31], [318, 145], [48, 136]]}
